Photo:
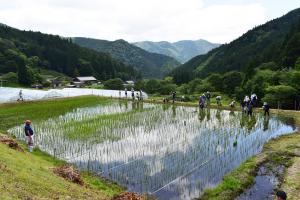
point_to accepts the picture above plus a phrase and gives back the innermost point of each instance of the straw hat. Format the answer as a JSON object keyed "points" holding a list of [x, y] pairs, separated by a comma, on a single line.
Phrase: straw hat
{"points": [[27, 121]]}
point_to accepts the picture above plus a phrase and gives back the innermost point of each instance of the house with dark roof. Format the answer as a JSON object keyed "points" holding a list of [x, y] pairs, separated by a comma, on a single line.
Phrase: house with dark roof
{"points": [[84, 80]]}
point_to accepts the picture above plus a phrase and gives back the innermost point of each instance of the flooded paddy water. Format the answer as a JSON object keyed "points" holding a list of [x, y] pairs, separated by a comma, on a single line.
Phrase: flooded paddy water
{"points": [[170, 152]]}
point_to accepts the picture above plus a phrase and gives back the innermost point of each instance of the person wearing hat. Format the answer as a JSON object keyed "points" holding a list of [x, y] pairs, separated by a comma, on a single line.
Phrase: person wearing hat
{"points": [[266, 109], [29, 135], [281, 195]]}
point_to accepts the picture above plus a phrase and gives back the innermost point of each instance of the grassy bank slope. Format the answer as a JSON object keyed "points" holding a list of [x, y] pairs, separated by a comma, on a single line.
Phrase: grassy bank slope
{"points": [[30, 176]]}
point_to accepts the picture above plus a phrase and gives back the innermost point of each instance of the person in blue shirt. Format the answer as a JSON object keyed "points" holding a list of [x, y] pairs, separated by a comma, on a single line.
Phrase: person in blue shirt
{"points": [[29, 134]]}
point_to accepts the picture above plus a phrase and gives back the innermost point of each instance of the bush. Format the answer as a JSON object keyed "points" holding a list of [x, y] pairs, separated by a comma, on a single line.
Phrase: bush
{"points": [[114, 84], [10, 77], [283, 94]]}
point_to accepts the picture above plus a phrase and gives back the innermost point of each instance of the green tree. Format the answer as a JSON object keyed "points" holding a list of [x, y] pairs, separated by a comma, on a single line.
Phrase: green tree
{"points": [[139, 85], [10, 77], [283, 94], [297, 64], [24, 75], [215, 81], [114, 84], [231, 80], [152, 86]]}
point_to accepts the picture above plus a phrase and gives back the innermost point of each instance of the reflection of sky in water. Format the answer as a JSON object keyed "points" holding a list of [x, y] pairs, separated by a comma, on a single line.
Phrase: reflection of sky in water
{"points": [[170, 152]]}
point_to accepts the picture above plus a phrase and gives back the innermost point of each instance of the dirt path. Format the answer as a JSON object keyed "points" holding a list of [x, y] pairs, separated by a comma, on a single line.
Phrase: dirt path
{"points": [[291, 184]]}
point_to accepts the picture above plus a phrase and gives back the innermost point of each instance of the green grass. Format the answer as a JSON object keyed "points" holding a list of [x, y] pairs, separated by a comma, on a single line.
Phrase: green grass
{"points": [[14, 114], [233, 183], [25, 175], [280, 151]]}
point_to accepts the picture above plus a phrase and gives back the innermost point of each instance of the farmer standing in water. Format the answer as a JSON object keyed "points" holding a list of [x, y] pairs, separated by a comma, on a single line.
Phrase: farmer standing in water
{"points": [[29, 135], [174, 96]]}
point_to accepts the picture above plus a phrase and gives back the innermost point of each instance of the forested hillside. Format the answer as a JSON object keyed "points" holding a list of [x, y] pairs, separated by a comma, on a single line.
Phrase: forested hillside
{"points": [[150, 64], [182, 50], [265, 60], [25, 53]]}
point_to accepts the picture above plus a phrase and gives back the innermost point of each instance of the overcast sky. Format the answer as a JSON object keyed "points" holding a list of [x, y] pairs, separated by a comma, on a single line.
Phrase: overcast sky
{"points": [[137, 20]]}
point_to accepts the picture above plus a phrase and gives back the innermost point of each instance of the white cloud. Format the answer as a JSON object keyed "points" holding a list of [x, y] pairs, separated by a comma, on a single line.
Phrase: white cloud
{"points": [[133, 20]]}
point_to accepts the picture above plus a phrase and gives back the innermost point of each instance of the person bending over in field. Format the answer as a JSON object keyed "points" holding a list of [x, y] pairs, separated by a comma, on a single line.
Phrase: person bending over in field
{"points": [[232, 104], [29, 135]]}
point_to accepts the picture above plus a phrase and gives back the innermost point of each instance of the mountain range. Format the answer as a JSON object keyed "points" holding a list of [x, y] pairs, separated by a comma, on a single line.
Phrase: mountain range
{"points": [[275, 42], [152, 65], [26, 53], [182, 50]]}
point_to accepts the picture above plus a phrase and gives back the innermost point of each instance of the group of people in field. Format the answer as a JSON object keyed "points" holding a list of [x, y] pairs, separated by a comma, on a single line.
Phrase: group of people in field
{"points": [[249, 102], [138, 95]]}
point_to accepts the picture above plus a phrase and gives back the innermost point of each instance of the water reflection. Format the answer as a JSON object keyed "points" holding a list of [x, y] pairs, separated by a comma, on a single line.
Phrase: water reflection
{"points": [[168, 151], [266, 124]]}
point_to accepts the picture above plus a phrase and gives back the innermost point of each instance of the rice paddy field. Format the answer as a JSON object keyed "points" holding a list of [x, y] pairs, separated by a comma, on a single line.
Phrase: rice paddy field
{"points": [[170, 152]]}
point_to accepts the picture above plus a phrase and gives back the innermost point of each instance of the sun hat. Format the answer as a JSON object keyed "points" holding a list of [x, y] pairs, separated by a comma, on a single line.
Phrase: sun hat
{"points": [[27, 121]]}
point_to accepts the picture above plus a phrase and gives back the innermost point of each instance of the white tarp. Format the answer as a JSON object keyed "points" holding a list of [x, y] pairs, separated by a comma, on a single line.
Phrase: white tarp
{"points": [[12, 94]]}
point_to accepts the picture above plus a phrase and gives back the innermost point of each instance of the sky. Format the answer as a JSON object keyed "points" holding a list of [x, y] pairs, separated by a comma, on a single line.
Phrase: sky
{"points": [[217, 21]]}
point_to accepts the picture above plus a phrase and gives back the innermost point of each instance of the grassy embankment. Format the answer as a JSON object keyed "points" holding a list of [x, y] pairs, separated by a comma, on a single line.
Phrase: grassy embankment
{"points": [[25, 175], [283, 151]]}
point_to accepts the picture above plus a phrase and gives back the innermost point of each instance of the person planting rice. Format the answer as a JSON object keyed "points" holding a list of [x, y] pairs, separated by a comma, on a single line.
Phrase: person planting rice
{"points": [[266, 109], [218, 100], [174, 96], [141, 95], [207, 95], [202, 101], [132, 93], [29, 135], [250, 109], [126, 93], [232, 104]]}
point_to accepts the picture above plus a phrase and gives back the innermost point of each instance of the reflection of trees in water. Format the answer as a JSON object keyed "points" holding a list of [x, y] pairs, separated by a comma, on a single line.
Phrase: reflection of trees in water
{"points": [[208, 114], [232, 113], [251, 122], [201, 115], [165, 107], [173, 111], [243, 119], [218, 115]]}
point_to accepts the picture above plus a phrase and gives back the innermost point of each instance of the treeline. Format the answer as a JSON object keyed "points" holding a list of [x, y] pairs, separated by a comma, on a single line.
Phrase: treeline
{"points": [[25, 52], [265, 61]]}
